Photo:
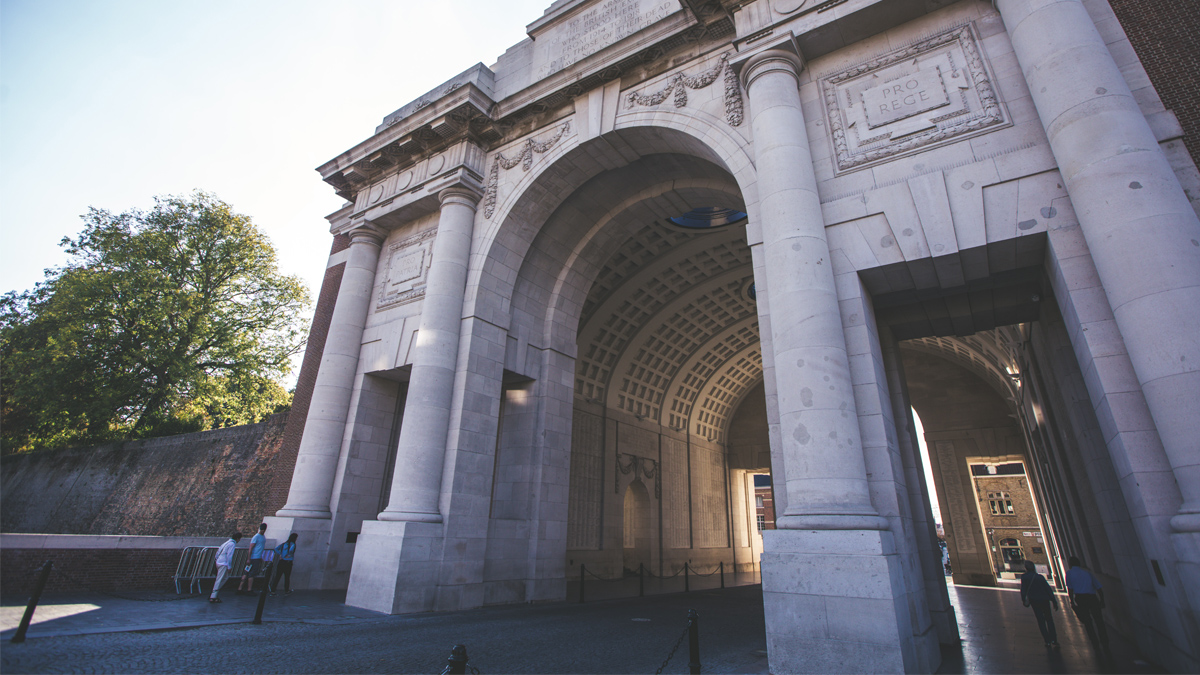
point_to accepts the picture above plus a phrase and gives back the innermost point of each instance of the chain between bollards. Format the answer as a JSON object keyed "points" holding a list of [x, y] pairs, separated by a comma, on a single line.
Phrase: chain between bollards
{"points": [[40, 586]]}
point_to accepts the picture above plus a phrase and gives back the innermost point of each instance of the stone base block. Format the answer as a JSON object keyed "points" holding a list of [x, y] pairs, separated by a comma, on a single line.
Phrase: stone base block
{"points": [[835, 603], [395, 568], [312, 549]]}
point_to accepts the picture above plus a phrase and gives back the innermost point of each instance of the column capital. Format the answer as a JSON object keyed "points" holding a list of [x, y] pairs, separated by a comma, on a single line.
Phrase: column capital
{"points": [[776, 59], [463, 194], [367, 233]]}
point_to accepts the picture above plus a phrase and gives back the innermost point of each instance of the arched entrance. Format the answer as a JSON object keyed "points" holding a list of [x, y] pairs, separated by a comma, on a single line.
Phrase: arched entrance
{"points": [[635, 533]]}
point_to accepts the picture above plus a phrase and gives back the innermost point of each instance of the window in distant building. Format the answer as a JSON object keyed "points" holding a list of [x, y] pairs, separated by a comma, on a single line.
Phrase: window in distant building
{"points": [[758, 501], [1000, 504], [762, 523]]}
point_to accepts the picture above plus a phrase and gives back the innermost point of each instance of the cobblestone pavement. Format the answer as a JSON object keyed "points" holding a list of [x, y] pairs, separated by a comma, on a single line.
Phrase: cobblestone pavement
{"points": [[609, 636]]}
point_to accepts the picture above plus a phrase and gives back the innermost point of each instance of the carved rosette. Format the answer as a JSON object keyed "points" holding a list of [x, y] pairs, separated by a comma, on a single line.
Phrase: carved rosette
{"points": [[639, 467], [934, 90], [680, 83], [524, 158]]}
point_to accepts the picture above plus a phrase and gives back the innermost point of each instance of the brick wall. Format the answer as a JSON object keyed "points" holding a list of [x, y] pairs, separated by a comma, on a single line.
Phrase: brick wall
{"points": [[290, 444], [1166, 36], [203, 484], [88, 569]]}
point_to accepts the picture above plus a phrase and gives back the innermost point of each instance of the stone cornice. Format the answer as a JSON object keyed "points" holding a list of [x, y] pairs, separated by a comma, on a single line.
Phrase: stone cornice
{"points": [[463, 114], [466, 112]]}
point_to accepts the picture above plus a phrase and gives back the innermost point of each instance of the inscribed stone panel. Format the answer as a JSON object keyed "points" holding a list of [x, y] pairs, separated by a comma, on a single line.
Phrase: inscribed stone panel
{"points": [[933, 91], [708, 496], [406, 269], [604, 23], [587, 476], [960, 517], [675, 494]]}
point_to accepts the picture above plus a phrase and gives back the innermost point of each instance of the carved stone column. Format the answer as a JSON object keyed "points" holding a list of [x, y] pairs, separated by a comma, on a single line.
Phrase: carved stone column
{"points": [[830, 572], [417, 480], [1140, 228], [321, 444], [825, 475]]}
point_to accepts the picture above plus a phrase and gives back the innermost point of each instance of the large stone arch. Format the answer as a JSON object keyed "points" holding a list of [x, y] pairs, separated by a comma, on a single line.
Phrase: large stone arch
{"points": [[604, 197]]}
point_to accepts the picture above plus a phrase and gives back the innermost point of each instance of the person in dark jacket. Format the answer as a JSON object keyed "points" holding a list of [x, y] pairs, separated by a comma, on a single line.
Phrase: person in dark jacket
{"points": [[1036, 593]]}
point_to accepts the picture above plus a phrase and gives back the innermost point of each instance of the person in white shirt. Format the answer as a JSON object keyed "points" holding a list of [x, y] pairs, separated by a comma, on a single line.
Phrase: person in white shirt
{"points": [[224, 562]]}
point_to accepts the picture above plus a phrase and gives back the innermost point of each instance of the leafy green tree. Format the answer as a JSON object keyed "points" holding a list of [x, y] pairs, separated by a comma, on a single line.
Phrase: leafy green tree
{"points": [[171, 320]]}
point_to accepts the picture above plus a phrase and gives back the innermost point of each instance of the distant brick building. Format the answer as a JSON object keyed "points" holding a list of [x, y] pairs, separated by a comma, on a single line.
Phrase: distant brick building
{"points": [[1009, 517]]}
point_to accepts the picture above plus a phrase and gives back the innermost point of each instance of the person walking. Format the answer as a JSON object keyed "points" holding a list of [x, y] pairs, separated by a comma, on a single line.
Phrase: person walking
{"points": [[258, 544], [1087, 599], [224, 562], [285, 554], [1036, 593]]}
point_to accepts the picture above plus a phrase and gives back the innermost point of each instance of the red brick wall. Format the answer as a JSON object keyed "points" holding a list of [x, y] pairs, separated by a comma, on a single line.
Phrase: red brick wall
{"points": [[205, 484], [286, 461], [88, 569], [1166, 36]]}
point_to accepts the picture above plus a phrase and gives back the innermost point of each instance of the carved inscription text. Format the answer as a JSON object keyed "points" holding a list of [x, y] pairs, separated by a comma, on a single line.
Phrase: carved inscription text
{"points": [[594, 29], [904, 97]]}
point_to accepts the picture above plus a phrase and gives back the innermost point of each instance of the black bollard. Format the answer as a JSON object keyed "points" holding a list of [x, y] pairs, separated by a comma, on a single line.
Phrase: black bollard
{"points": [[262, 602], [693, 642], [40, 586], [686, 586], [722, 566], [641, 581], [457, 663], [581, 566]]}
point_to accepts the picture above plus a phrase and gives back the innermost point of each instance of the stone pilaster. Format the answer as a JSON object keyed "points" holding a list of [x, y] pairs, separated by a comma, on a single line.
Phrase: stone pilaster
{"points": [[828, 571]]}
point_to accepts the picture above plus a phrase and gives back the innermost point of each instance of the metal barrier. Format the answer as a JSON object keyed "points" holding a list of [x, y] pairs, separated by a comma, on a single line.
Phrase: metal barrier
{"points": [[199, 563]]}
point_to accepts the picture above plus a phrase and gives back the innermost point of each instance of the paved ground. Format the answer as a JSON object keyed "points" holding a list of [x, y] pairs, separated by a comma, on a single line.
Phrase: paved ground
{"points": [[999, 635], [607, 636], [313, 632]]}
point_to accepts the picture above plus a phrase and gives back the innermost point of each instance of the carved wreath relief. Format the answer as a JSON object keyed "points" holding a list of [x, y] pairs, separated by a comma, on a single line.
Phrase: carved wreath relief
{"points": [[680, 83], [524, 158], [408, 263], [929, 92]]}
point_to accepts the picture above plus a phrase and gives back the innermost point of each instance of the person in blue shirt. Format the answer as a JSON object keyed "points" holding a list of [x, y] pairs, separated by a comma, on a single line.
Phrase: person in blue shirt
{"points": [[1087, 599], [285, 555], [1036, 592], [258, 544]]}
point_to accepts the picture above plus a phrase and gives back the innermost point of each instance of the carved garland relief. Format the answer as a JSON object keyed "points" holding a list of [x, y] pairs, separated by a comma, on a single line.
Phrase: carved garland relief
{"points": [[524, 158], [932, 91], [408, 264], [680, 83], [643, 466]]}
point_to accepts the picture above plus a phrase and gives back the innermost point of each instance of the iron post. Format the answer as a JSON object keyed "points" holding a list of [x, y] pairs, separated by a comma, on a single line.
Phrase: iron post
{"points": [[38, 587], [693, 642]]}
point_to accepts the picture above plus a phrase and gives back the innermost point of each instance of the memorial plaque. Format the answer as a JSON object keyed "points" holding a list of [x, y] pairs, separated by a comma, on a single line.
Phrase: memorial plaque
{"points": [[935, 91], [407, 269], [574, 38], [904, 97]]}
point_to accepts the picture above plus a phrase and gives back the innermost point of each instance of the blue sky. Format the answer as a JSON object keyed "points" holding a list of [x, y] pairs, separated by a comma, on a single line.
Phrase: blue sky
{"points": [[108, 103]]}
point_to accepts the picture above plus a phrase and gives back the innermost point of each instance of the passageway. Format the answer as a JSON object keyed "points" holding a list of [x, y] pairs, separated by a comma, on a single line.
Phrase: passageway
{"points": [[1001, 636]]}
